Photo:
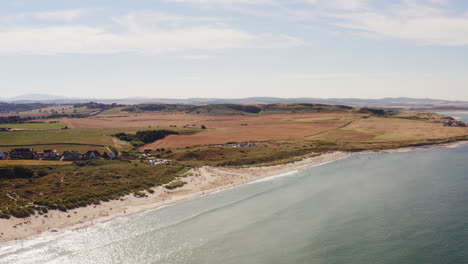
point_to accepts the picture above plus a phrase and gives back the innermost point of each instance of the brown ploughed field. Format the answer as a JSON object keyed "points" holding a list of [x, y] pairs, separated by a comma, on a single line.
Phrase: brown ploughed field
{"points": [[221, 129]]}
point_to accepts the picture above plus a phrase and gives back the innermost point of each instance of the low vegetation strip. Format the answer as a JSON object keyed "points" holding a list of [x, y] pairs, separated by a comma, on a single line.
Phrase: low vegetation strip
{"points": [[9, 163], [174, 185], [47, 144]]}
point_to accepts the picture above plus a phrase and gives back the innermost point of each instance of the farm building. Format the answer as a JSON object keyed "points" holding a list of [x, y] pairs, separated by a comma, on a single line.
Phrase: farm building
{"points": [[23, 153], [453, 123], [71, 155], [51, 154], [240, 145], [93, 154], [113, 155]]}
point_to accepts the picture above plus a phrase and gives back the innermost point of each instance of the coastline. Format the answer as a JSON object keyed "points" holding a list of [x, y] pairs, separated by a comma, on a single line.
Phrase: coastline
{"points": [[203, 181]]}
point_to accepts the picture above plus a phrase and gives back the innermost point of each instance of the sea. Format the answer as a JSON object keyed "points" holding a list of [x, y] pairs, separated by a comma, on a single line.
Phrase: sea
{"points": [[381, 208]]}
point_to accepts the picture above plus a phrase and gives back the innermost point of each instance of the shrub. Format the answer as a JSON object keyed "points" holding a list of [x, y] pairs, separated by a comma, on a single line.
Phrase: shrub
{"points": [[21, 212], [174, 185], [4, 215], [145, 136], [16, 172], [7, 173], [137, 143], [42, 173]]}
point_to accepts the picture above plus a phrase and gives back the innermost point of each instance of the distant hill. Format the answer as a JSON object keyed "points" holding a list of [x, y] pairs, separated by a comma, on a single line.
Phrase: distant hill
{"points": [[388, 103], [35, 98], [17, 107], [239, 109]]}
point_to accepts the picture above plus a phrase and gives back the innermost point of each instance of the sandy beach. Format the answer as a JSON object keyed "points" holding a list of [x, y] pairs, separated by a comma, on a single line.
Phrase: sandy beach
{"points": [[203, 181]]}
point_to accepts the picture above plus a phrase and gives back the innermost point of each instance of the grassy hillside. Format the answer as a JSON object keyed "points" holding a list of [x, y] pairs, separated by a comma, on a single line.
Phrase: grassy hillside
{"points": [[233, 109], [9, 107]]}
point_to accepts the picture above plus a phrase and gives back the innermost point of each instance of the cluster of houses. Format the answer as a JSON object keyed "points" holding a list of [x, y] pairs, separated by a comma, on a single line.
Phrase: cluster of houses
{"points": [[30, 154], [153, 161], [161, 162], [241, 145], [453, 123]]}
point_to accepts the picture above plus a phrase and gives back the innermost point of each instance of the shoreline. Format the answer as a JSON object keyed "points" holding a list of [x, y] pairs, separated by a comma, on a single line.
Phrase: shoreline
{"points": [[204, 181]]}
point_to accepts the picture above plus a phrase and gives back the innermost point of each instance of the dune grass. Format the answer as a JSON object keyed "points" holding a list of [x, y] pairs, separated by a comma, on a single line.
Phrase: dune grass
{"points": [[65, 187]]}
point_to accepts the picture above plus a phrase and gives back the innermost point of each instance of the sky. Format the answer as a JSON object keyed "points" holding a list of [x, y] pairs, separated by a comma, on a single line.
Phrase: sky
{"points": [[235, 48]]}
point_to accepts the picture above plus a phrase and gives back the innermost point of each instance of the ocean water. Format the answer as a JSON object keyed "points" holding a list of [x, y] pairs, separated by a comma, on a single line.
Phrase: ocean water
{"points": [[405, 207]]}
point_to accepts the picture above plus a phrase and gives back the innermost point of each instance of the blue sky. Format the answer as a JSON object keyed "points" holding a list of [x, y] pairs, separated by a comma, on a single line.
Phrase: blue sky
{"points": [[235, 48]]}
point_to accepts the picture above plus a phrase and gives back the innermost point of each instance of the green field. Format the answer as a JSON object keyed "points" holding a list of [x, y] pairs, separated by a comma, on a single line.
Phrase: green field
{"points": [[58, 139], [8, 163], [60, 148], [83, 136], [114, 110], [35, 126]]}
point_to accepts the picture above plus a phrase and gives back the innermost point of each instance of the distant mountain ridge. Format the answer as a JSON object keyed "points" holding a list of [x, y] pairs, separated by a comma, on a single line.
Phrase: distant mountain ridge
{"points": [[35, 97], [357, 102]]}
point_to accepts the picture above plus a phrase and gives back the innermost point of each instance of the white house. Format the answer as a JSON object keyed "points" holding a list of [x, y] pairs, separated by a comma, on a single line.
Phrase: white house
{"points": [[51, 154], [161, 162], [113, 155]]}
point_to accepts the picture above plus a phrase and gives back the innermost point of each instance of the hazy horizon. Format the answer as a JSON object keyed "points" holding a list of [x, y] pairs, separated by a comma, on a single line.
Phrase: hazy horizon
{"points": [[45, 97]]}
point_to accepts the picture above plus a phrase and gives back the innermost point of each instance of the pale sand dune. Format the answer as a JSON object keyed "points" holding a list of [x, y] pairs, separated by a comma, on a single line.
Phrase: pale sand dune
{"points": [[203, 181]]}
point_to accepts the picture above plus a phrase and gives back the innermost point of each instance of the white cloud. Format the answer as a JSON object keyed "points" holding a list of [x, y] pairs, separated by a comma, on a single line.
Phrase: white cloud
{"points": [[347, 75], [197, 57], [64, 15], [433, 30], [438, 2], [323, 75], [223, 2], [427, 22], [355, 75], [135, 34], [340, 4]]}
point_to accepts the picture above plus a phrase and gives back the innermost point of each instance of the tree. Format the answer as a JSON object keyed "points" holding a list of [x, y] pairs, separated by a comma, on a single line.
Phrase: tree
{"points": [[203, 127], [105, 155]]}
